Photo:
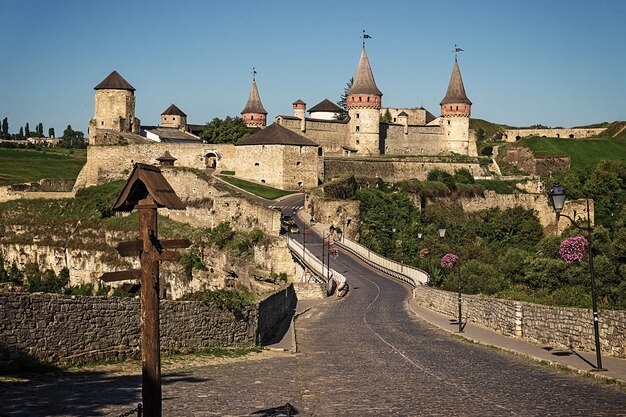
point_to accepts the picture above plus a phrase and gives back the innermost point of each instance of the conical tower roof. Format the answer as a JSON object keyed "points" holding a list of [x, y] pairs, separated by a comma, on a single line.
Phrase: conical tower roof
{"points": [[114, 81], [254, 104], [364, 78], [173, 110], [456, 90]]}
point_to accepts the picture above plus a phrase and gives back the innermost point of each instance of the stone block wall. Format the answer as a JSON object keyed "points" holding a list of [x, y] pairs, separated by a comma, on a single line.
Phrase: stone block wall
{"points": [[524, 159], [555, 326], [419, 140], [511, 135], [330, 135], [65, 330]]}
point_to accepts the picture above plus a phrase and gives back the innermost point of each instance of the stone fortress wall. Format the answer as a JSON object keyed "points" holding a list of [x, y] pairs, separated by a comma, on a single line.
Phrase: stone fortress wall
{"points": [[416, 115], [511, 135], [68, 330], [331, 136], [398, 139], [568, 328]]}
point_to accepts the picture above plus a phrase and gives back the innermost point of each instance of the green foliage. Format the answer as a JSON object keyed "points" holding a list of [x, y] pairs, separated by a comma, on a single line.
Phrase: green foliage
{"points": [[228, 130], [12, 275], [343, 98], [73, 137], [45, 281], [463, 176], [487, 131], [231, 300], [190, 261], [262, 191], [343, 188], [500, 187], [386, 117], [487, 150], [482, 278], [85, 289], [442, 176]]}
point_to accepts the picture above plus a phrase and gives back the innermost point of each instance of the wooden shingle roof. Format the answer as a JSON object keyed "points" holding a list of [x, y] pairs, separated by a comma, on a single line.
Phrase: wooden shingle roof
{"points": [[144, 181], [456, 89], [364, 78], [254, 105], [276, 134], [114, 81], [327, 106], [173, 110]]}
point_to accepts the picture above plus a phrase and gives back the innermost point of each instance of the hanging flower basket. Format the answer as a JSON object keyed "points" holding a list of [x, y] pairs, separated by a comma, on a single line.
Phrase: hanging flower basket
{"points": [[449, 260], [424, 253], [572, 249]]}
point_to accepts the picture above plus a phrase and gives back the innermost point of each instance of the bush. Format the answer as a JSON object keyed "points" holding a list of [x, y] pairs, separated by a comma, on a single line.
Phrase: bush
{"points": [[46, 281], [190, 261], [480, 278], [231, 300], [463, 176]]}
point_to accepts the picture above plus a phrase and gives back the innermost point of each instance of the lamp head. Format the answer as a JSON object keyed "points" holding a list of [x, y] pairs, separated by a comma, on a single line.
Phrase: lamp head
{"points": [[557, 197], [420, 234], [442, 231]]}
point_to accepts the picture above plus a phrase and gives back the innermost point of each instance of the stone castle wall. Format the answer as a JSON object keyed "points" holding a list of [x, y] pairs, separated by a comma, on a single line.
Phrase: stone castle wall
{"points": [[392, 169], [110, 163], [512, 135], [67, 330], [556, 326], [364, 130], [300, 167], [524, 159], [331, 136], [339, 213], [416, 115], [419, 140]]}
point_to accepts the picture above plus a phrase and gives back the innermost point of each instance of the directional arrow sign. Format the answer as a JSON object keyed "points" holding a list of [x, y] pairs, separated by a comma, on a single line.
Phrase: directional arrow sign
{"points": [[121, 275], [132, 248], [174, 243], [168, 256]]}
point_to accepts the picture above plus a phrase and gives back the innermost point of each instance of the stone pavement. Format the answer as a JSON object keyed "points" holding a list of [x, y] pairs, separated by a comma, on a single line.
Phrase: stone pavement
{"points": [[583, 362]]}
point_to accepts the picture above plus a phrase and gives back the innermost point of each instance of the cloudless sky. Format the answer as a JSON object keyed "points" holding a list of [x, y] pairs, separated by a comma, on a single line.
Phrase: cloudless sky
{"points": [[557, 62]]}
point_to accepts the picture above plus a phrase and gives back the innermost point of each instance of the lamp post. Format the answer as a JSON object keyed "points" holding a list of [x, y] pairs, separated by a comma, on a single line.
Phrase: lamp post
{"points": [[420, 234], [442, 233], [557, 196]]}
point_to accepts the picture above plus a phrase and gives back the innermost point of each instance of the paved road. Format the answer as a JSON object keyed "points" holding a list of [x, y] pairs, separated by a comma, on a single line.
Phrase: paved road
{"points": [[365, 355]]}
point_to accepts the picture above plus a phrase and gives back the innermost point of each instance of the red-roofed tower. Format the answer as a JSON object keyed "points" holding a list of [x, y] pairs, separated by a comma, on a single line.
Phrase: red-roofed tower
{"points": [[254, 114]]}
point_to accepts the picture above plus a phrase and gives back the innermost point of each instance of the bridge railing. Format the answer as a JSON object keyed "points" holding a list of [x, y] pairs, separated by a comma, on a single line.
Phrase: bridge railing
{"points": [[410, 275], [312, 262]]}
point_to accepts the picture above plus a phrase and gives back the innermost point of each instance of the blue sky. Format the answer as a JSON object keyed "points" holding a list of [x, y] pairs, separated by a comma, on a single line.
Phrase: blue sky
{"points": [[558, 63]]}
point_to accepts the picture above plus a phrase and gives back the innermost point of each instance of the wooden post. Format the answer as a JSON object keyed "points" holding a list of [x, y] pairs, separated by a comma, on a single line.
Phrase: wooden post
{"points": [[150, 340]]}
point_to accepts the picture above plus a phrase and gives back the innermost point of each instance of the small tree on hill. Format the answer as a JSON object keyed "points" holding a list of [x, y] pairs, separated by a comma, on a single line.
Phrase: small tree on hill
{"points": [[27, 130], [5, 128], [40, 130], [385, 117], [73, 137], [20, 135], [228, 130], [51, 132]]}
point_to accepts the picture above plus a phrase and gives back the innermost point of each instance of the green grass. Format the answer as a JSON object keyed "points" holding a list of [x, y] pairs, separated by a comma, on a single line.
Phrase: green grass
{"points": [[585, 153], [29, 165], [487, 129], [500, 187], [263, 191], [227, 172]]}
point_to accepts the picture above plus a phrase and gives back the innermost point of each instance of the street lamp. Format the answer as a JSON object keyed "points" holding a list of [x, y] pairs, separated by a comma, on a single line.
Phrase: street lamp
{"points": [[442, 233], [557, 196], [420, 234]]}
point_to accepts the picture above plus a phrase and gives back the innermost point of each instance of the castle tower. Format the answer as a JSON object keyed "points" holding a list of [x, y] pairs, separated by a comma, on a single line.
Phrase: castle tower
{"points": [[455, 113], [364, 101], [254, 113], [174, 117], [299, 111], [114, 106]]}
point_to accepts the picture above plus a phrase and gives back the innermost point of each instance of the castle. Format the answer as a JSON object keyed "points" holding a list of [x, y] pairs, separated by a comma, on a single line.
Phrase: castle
{"points": [[296, 151]]}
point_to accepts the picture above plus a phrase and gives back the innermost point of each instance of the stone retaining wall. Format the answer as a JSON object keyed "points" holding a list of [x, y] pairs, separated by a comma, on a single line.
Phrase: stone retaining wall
{"points": [[68, 329], [555, 326]]}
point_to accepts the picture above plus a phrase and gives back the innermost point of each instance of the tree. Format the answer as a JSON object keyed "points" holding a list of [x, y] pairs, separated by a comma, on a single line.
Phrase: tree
{"points": [[386, 117], [21, 134], [40, 130], [343, 99], [73, 137], [27, 130], [51, 132], [228, 130], [5, 128]]}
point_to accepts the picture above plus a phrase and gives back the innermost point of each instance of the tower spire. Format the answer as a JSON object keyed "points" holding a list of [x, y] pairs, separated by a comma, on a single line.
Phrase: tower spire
{"points": [[254, 114]]}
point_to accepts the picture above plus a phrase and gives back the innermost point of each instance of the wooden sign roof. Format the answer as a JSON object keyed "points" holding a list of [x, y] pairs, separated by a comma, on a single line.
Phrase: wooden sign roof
{"points": [[144, 181]]}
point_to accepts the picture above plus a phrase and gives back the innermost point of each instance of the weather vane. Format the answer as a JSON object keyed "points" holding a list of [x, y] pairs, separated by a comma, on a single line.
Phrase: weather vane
{"points": [[456, 51], [365, 36], [253, 74]]}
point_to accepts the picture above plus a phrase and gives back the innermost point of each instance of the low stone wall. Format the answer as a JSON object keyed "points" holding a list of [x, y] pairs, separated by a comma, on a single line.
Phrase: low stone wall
{"points": [[65, 330], [555, 326], [46, 185]]}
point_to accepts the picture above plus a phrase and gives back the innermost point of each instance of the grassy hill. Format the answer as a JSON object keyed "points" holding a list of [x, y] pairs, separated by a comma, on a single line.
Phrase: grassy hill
{"points": [[28, 165], [585, 153], [486, 130]]}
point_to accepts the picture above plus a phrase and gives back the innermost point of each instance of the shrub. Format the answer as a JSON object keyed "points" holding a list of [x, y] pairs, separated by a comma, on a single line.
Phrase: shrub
{"points": [[231, 300]]}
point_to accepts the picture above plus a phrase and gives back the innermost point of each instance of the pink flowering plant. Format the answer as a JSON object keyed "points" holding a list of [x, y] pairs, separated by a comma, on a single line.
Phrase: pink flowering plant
{"points": [[449, 260], [572, 249]]}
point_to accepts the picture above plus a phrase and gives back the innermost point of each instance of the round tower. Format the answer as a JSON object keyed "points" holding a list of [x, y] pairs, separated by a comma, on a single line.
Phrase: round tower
{"points": [[299, 111], [114, 106], [254, 114], [455, 113], [174, 117], [364, 101]]}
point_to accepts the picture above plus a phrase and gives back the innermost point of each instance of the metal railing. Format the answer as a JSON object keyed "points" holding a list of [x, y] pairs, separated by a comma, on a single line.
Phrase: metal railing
{"points": [[313, 263], [411, 275]]}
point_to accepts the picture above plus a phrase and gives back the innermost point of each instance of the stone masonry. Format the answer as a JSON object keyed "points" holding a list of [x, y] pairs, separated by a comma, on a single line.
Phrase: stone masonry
{"points": [[69, 329], [560, 326]]}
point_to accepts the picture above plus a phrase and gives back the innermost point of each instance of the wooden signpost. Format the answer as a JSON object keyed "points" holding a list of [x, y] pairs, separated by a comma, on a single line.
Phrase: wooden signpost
{"points": [[147, 190]]}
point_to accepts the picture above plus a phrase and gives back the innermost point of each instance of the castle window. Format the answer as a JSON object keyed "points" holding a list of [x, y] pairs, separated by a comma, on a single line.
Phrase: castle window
{"points": [[298, 163], [359, 98], [263, 181], [320, 151], [256, 164], [457, 107], [357, 115], [368, 99], [357, 129], [102, 123], [251, 117], [394, 119], [448, 122], [300, 152], [357, 141], [299, 183]]}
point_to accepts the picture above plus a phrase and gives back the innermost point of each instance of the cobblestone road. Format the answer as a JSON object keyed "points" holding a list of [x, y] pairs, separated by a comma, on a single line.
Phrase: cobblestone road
{"points": [[365, 355]]}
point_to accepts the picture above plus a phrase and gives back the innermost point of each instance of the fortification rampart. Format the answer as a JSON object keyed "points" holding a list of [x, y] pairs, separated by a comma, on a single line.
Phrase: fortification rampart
{"points": [[68, 330], [331, 136], [393, 169], [511, 135], [418, 140], [568, 328]]}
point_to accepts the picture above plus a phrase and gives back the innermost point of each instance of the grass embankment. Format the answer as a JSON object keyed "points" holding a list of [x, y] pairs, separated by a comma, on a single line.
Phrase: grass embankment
{"points": [[28, 165], [262, 191], [585, 153]]}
